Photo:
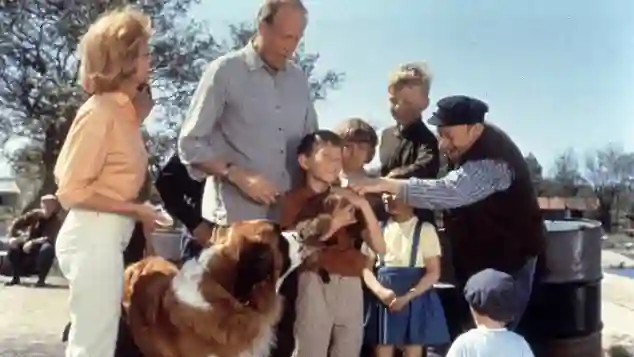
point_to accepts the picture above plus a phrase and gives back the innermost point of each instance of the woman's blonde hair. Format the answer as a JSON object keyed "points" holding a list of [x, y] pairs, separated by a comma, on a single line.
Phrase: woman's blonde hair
{"points": [[110, 49]]}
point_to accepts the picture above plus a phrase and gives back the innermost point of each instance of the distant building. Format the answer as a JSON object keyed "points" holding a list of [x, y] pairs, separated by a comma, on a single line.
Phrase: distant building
{"points": [[554, 208]]}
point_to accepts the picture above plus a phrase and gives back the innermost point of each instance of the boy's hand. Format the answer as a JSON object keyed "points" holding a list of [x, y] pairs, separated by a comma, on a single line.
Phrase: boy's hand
{"points": [[343, 216]]}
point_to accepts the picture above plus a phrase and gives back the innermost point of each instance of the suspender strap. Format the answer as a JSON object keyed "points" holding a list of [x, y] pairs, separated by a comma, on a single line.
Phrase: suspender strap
{"points": [[415, 243], [379, 258]]}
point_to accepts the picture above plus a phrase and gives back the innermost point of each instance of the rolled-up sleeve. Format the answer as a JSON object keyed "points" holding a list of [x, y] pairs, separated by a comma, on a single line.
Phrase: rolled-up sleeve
{"points": [[82, 156], [195, 143]]}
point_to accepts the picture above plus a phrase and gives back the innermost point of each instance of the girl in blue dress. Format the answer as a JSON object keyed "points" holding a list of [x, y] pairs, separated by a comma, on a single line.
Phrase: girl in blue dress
{"points": [[405, 311]]}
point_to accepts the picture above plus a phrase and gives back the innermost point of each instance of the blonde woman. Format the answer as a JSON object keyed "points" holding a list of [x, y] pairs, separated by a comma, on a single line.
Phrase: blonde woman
{"points": [[100, 171]]}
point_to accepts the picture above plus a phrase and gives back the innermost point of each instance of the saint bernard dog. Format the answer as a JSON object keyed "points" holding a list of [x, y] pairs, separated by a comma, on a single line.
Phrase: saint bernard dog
{"points": [[223, 304]]}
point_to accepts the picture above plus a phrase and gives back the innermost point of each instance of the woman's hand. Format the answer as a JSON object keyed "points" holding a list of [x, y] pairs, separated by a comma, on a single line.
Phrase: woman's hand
{"points": [[147, 215]]}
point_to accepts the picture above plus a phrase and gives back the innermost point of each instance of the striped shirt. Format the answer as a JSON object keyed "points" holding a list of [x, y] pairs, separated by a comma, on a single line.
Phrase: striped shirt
{"points": [[468, 184]]}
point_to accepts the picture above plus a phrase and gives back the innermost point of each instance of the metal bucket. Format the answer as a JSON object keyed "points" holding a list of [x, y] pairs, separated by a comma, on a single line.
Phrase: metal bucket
{"points": [[167, 244]]}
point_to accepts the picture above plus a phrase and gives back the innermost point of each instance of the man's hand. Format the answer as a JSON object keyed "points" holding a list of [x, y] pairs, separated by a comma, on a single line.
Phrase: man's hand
{"points": [[28, 246], [40, 240], [203, 233], [143, 102], [395, 173], [356, 200], [15, 242], [364, 186], [253, 185]]}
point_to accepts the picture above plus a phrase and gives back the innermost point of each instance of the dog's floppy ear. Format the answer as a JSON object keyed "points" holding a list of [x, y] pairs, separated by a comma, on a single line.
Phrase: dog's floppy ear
{"points": [[255, 264]]}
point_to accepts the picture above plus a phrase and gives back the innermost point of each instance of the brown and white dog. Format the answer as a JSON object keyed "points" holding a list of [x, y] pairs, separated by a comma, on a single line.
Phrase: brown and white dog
{"points": [[224, 304]]}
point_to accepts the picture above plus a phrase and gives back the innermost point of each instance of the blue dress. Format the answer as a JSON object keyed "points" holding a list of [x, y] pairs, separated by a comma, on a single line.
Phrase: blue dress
{"points": [[421, 322]]}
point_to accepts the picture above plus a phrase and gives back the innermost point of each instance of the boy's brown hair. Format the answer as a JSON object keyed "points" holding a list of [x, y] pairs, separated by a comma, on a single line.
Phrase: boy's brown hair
{"points": [[357, 130], [410, 74]]}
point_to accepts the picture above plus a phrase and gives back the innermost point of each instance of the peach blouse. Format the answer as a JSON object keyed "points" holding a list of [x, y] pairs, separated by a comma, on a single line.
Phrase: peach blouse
{"points": [[104, 152]]}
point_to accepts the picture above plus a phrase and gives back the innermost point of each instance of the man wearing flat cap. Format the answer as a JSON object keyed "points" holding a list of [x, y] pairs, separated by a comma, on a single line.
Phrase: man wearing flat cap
{"points": [[490, 294], [492, 217]]}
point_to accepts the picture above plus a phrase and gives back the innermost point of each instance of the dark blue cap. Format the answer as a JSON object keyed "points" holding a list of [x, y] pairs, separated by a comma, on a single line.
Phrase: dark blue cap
{"points": [[459, 110], [492, 293]]}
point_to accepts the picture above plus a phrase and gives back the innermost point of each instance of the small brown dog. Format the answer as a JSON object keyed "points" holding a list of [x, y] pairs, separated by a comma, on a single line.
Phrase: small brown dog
{"points": [[224, 304]]}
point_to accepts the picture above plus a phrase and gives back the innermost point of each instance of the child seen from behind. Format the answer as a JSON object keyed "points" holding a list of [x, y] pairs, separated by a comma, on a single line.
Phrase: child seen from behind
{"points": [[491, 295]]}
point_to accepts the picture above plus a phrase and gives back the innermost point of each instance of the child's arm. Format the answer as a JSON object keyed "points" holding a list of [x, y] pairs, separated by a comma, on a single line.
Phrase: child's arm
{"points": [[369, 278], [372, 233]]}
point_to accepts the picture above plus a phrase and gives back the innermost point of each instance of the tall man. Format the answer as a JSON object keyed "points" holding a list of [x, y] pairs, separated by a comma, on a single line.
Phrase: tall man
{"points": [[493, 218], [247, 117]]}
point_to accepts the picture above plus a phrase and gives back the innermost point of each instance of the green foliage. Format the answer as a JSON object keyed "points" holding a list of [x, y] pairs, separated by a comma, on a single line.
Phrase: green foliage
{"points": [[39, 94]]}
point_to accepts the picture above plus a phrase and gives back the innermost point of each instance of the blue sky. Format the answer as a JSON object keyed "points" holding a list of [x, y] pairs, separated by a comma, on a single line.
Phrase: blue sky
{"points": [[556, 74]]}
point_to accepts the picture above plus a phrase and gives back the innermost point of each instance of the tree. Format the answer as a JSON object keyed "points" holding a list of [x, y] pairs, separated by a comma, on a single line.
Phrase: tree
{"points": [[609, 171], [534, 168], [39, 94], [566, 173]]}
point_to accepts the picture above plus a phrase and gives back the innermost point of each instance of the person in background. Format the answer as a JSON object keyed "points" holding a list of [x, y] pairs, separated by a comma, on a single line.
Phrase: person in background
{"points": [[410, 149], [182, 198], [32, 241], [492, 217], [406, 311], [100, 170], [490, 294]]}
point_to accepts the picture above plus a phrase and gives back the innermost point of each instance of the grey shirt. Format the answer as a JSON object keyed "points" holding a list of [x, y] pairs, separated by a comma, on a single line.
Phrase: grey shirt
{"points": [[251, 118]]}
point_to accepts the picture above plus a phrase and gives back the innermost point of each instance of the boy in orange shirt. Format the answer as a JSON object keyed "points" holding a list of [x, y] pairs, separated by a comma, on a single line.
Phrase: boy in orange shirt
{"points": [[334, 221]]}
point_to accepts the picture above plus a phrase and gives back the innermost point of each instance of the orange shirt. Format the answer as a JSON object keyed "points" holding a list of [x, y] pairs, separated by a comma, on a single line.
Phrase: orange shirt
{"points": [[103, 154], [340, 258]]}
